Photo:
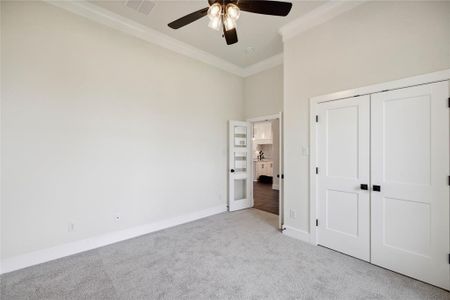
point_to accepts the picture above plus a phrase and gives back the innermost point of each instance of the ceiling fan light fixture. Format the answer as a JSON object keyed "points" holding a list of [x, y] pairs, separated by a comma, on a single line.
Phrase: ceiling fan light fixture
{"points": [[223, 14], [215, 23], [233, 11], [214, 11], [229, 23]]}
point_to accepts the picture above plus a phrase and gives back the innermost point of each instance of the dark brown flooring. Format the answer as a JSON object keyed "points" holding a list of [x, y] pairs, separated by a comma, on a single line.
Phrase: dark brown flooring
{"points": [[265, 198]]}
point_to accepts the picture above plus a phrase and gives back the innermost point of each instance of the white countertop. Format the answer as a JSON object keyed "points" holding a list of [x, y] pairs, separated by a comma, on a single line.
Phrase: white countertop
{"points": [[264, 160]]}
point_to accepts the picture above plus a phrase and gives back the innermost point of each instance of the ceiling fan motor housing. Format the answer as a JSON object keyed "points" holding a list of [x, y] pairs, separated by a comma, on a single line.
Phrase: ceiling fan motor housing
{"points": [[223, 2]]}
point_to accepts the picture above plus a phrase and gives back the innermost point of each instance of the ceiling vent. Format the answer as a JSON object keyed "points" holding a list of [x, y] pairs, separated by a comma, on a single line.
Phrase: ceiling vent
{"points": [[141, 6]]}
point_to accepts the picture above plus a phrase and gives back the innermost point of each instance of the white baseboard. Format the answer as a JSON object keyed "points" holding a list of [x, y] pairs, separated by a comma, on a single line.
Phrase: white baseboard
{"points": [[276, 187], [297, 233], [41, 256]]}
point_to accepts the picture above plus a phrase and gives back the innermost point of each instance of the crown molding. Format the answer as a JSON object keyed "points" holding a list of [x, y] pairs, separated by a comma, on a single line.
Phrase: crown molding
{"points": [[110, 19], [263, 65], [103, 16], [317, 16]]}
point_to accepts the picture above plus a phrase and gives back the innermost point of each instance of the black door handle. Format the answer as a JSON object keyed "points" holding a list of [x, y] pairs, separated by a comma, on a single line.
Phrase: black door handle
{"points": [[232, 170], [364, 186], [376, 188]]}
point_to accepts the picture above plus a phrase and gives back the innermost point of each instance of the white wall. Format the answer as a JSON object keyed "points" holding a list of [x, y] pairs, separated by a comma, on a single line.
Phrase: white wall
{"points": [[374, 43], [263, 93], [95, 123]]}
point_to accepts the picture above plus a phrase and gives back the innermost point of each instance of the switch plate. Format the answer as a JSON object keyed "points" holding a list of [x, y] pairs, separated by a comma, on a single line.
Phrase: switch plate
{"points": [[70, 227], [292, 214]]}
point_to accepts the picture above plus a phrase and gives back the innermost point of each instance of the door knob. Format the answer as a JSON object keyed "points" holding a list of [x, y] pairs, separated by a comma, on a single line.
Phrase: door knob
{"points": [[364, 187], [232, 170], [376, 188]]}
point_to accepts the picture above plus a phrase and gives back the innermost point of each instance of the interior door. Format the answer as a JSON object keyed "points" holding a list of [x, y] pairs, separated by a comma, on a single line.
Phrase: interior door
{"points": [[239, 164], [410, 169], [280, 173], [343, 176]]}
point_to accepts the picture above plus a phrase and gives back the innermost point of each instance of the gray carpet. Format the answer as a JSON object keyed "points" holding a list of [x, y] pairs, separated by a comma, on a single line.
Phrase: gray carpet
{"points": [[236, 255]]}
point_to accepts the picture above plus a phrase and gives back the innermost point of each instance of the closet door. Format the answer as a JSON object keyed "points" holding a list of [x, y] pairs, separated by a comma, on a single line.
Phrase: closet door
{"points": [[410, 188], [343, 170]]}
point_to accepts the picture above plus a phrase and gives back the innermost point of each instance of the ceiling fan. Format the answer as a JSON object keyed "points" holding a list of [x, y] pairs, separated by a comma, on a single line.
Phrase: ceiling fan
{"points": [[223, 14]]}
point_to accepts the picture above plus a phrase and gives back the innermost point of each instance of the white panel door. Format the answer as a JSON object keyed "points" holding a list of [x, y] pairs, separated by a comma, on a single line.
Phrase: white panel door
{"points": [[239, 164], [343, 204], [410, 169]]}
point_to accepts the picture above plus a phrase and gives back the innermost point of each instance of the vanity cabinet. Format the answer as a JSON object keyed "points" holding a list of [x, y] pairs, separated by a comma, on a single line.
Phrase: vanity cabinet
{"points": [[263, 168]]}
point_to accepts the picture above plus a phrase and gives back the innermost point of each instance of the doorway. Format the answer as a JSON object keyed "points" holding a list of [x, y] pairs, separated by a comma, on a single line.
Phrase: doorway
{"points": [[255, 178], [265, 166]]}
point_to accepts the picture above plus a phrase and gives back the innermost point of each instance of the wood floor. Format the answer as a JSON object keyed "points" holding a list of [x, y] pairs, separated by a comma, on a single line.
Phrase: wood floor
{"points": [[265, 198]]}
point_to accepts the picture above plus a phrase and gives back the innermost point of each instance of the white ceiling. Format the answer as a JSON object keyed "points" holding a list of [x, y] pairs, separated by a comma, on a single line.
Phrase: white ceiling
{"points": [[257, 33]]}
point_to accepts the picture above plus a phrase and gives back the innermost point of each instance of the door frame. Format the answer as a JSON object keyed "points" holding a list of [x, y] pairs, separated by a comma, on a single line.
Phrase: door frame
{"points": [[428, 78], [278, 116]]}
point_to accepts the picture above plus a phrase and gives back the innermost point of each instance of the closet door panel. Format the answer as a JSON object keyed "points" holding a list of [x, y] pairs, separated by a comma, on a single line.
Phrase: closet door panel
{"points": [[343, 207], [410, 164]]}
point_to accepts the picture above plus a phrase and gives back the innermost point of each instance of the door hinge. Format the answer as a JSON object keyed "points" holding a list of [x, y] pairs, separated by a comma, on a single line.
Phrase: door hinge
{"points": [[448, 180], [282, 176], [317, 119], [317, 222], [448, 101], [317, 170], [449, 258]]}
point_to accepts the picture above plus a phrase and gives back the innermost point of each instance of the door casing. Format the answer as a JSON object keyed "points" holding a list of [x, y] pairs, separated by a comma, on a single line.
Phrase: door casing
{"points": [[443, 75], [315, 101], [278, 116]]}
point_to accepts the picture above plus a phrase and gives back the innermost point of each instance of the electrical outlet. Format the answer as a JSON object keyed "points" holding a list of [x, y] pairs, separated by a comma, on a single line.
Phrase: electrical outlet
{"points": [[292, 214], [70, 227]]}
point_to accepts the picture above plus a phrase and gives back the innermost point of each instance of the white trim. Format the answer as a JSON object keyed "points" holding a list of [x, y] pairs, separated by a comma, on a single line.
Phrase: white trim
{"points": [[103, 16], [251, 175], [312, 173], [108, 18], [390, 85], [45, 255], [371, 89], [264, 118], [296, 233], [263, 65], [317, 16], [275, 187]]}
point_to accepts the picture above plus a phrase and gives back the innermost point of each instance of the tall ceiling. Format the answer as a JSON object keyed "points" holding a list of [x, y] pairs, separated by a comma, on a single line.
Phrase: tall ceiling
{"points": [[258, 34]]}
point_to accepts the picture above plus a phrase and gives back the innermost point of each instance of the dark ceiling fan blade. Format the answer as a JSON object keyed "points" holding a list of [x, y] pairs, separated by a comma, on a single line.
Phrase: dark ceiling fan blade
{"points": [[230, 36], [274, 8], [183, 21]]}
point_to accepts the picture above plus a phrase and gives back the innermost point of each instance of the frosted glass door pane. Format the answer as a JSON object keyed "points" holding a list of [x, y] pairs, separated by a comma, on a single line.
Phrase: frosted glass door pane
{"points": [[240, 136], [240, 189], [240, 162]]}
